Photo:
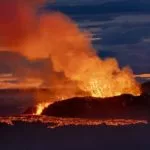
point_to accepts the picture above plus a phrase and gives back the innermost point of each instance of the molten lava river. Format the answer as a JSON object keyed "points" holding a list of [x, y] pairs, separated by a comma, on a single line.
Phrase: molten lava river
{"points": [[53, 122]]}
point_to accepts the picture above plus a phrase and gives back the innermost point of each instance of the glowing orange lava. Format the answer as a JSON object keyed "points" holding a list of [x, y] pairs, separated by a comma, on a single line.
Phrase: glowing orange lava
{"points": [[41, 107], [54, 122]]}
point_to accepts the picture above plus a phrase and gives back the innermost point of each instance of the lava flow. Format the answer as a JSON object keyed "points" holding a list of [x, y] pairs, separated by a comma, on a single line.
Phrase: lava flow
{"points": [[54, 122], [40, 107]]}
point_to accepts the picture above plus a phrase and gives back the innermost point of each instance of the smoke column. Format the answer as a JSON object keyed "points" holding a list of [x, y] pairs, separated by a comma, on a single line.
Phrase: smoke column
{"points": [[55, 36]]}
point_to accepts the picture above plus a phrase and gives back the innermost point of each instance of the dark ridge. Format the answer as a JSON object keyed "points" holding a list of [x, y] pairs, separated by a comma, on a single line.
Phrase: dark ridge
{"points": [[124, 106], [146, 87]]}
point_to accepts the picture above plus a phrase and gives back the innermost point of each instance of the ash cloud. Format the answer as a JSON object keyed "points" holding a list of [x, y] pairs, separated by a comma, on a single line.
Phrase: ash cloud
{"points": [[55, 37], [20, 26]]}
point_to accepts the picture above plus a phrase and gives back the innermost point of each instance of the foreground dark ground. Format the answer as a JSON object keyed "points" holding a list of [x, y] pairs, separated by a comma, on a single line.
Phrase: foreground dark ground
{"points": [[36, 136]]}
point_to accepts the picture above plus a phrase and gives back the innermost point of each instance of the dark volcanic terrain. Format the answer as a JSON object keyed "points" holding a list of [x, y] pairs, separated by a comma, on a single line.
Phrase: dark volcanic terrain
{"points": [[124, 106], [15, 102]]}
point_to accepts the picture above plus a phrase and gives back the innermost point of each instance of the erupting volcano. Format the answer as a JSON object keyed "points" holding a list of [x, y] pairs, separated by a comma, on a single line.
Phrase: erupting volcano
{"points": [[59, 89], [75, 64], [41, 107], [57, 37]]}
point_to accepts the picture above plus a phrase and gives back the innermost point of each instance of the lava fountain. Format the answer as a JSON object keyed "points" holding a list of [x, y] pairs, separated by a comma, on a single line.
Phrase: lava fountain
{"points": [[40, 107]]}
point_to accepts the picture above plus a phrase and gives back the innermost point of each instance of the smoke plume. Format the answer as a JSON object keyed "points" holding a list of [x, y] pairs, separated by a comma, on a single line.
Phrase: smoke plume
{"points": [[55, 36]]}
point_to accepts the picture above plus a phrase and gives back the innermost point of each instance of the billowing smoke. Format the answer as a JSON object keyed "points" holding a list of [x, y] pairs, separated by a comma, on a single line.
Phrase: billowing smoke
{"points": [[17, 21], [55, 36]]}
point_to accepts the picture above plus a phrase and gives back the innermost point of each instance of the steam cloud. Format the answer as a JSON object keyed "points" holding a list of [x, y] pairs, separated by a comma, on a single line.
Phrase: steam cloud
{"points": [[54, 36]]}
